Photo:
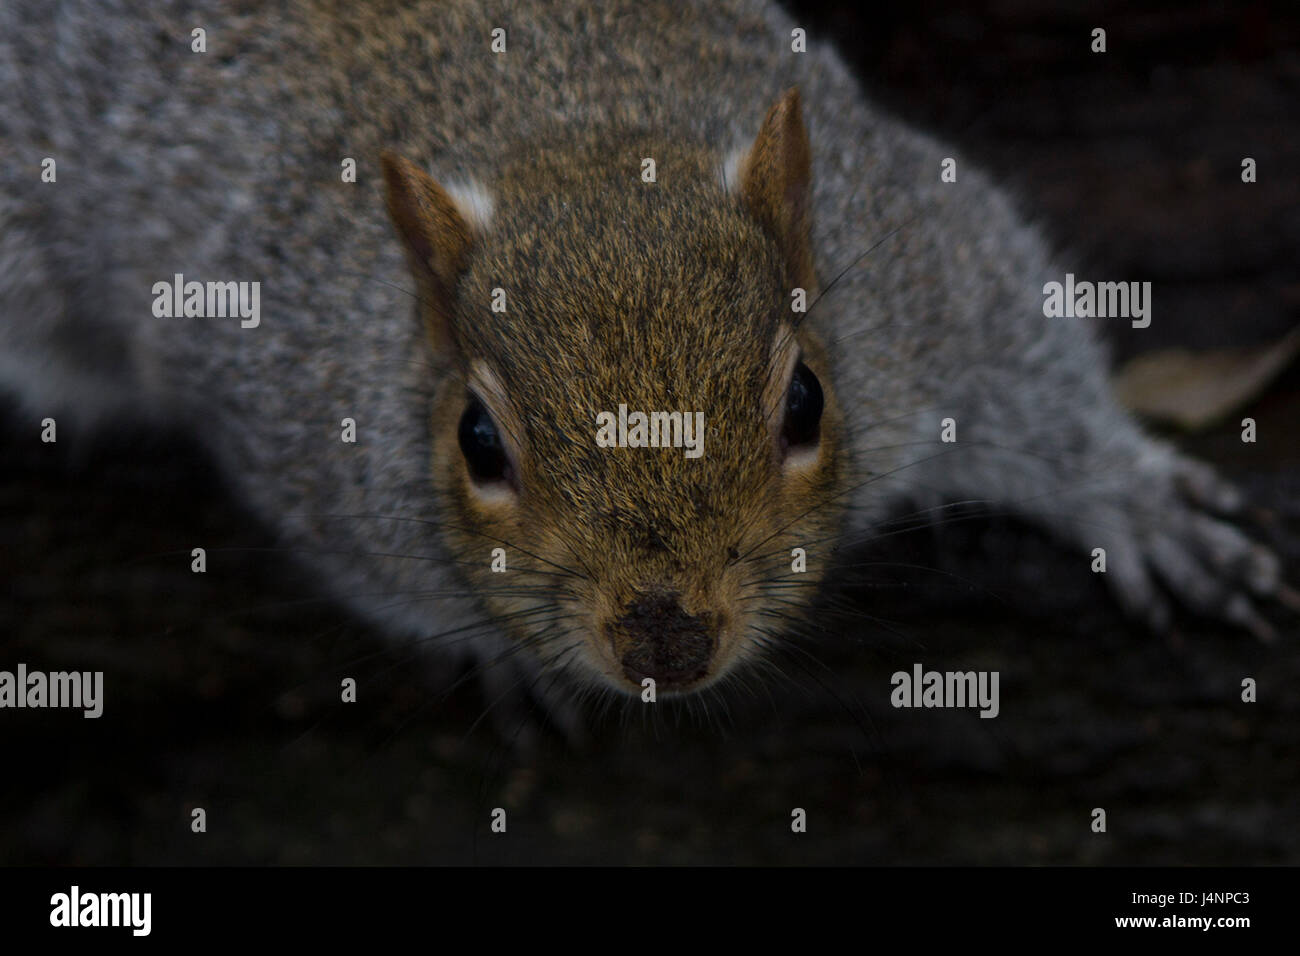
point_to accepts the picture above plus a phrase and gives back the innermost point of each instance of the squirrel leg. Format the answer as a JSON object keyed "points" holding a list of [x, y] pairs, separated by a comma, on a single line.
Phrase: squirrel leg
{"points": [[1147, 515]]}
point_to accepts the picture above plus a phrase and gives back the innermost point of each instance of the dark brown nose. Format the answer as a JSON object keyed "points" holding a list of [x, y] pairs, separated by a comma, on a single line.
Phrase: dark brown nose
{"points": [[656, 638]]}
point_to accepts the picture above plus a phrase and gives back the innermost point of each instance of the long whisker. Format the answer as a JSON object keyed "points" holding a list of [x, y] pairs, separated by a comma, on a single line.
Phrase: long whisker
{"points": [[435, 524]]}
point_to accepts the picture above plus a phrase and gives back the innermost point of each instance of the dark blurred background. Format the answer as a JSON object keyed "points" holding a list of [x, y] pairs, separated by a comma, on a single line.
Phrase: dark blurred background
{"points": [[221, 688]]}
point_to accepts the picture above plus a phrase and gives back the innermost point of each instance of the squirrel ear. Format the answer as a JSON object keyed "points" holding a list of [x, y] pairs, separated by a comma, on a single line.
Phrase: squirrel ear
{"points": [[776, 184], [436, 235]]}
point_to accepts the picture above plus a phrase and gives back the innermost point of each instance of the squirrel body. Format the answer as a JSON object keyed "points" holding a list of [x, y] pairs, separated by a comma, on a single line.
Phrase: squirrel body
{"points": [[523, 172]]}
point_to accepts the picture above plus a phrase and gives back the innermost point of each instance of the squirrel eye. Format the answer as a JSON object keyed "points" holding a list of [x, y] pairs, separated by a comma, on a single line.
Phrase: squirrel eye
{"points": [[803, 408], [480, 442]]}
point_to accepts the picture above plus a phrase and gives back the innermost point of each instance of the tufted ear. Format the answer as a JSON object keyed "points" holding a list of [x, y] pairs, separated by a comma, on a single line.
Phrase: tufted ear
{"points": [[776, 185], [437, 237]]}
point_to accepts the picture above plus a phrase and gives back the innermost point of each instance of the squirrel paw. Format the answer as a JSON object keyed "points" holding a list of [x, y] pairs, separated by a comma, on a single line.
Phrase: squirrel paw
{"points": [[1205, 563]]}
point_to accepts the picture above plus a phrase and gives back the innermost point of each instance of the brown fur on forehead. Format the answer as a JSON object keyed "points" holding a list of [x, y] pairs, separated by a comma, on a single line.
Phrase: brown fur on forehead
{"points": [[596, 258], [662, 296]]}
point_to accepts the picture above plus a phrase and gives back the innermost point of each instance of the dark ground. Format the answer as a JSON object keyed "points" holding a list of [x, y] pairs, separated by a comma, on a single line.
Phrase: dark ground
{"points": [[223, 685]]}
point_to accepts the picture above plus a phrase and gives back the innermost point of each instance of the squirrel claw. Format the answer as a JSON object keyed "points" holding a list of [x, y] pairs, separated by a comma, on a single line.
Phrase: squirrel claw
{"points": [[1241, 612]]}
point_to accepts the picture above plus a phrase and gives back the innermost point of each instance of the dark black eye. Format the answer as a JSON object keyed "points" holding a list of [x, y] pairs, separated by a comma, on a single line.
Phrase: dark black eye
{"points": [[481, 444], [803, 408]]}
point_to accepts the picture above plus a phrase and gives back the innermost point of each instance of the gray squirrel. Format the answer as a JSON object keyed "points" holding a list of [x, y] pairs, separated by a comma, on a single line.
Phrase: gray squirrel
{"points": [[410, 269]]}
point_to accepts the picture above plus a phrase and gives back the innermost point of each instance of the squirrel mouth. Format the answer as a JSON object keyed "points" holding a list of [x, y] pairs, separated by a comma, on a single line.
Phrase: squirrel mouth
{"points": [[670, 667]]}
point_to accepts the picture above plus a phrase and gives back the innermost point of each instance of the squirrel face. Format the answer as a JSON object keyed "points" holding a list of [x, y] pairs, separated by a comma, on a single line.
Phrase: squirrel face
{"points": [[574, 294]]}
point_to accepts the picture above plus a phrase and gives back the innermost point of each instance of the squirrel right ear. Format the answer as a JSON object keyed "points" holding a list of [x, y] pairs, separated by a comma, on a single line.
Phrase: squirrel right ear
{"points": [[776, 184], [436, 235]]}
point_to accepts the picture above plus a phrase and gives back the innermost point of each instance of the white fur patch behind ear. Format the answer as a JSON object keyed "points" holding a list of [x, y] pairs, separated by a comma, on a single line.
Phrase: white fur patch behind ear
{"points": [[732, 164], [474, 203]]}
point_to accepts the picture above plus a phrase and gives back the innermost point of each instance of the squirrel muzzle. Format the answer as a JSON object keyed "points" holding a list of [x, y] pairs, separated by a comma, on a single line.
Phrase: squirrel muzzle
{"points": [[655, 637]]}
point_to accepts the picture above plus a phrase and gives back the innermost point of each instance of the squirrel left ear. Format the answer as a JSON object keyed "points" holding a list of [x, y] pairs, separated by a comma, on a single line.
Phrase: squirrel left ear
{"points": [[437, 239], [776, 185]]}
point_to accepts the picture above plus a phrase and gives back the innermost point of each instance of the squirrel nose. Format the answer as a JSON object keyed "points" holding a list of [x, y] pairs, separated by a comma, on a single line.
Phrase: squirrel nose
{"points": [[656, 638]]}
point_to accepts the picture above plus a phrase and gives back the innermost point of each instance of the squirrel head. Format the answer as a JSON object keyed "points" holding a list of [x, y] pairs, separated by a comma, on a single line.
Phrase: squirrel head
{"points": [[572, 293]]}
